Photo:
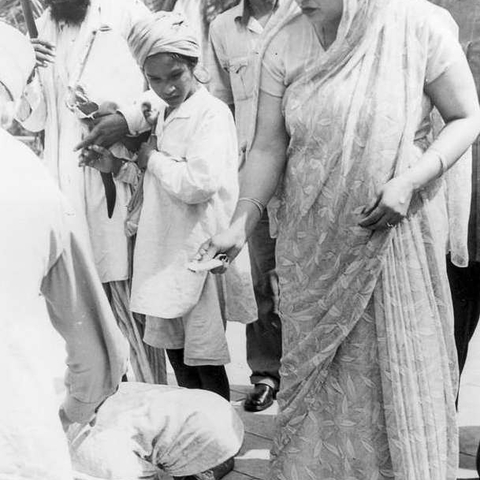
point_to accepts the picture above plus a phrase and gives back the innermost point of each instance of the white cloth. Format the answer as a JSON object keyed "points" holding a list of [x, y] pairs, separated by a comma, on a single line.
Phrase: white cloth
{"points": [[17, 59], [200, 333], [40, 251], [190, 192], [111, 74], [163, 32], [144, 428]]}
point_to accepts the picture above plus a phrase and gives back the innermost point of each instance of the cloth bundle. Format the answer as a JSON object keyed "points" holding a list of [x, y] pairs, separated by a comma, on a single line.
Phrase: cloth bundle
{"points": [[146, 429]]}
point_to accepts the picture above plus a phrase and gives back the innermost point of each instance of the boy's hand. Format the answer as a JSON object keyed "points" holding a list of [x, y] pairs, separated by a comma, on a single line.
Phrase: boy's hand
{"points": [[144, 154]]}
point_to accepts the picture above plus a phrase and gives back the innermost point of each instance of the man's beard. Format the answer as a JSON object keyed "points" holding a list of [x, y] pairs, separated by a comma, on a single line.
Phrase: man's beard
{"points": [[70, 11]]}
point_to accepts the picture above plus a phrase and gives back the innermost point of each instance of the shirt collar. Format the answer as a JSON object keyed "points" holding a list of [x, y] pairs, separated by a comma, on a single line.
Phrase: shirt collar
{"points": [[242, 13], [186, 109]]}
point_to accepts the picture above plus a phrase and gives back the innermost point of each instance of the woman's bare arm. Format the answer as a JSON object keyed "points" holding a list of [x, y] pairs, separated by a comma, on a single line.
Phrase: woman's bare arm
{"points": [[258, 180], [455, 97]]}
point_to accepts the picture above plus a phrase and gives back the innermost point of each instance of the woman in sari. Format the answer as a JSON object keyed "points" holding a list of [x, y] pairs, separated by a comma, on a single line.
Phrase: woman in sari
{"points": [[369, 374]]}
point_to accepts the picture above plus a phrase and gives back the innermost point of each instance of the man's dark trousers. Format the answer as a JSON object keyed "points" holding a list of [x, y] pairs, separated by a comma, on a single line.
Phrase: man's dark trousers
{"points": [[264, 337]]}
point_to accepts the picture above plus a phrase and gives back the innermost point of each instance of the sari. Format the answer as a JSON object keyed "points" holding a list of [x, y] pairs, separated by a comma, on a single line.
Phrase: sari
{"points": [[369, 374]]}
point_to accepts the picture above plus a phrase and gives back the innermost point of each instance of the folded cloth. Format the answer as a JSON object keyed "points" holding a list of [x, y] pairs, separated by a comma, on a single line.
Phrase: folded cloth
{"points": [[144, 429], [163, 32]]}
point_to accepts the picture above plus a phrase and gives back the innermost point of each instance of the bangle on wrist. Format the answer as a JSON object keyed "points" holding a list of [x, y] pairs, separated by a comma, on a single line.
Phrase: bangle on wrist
{"points": [[260, 206]]}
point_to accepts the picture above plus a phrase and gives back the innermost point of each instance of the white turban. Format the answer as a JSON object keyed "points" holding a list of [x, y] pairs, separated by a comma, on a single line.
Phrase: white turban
{"points": [[162, 32], [17, 59]]}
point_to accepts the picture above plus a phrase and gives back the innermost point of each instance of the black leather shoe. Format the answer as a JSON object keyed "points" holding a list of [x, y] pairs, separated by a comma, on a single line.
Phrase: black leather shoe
{"points": [[215, 473], [260, 399]]}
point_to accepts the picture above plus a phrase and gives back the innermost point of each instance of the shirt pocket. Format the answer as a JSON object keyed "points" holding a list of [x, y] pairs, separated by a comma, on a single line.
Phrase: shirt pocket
{"points": [[239, 69]]}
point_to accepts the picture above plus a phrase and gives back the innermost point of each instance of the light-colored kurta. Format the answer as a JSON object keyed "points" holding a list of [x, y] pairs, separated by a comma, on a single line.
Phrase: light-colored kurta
{"points": [[110, 74], [190, 192], [41, 251]]}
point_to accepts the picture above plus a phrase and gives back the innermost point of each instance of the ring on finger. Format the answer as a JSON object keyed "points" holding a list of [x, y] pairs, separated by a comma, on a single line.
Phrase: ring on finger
{"points": [[389, 225]]}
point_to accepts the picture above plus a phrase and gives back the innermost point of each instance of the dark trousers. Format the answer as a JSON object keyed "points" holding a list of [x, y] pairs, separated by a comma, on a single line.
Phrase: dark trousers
{"points": [[465, 288], [264, 337], [205, 377]]}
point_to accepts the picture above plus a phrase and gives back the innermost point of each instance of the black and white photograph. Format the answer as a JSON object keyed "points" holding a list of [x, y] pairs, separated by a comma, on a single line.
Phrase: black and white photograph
{"points": [[240, 240]]}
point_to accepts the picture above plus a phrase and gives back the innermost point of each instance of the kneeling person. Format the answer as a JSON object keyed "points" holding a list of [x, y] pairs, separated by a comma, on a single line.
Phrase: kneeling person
{"points": [[144, 430]]}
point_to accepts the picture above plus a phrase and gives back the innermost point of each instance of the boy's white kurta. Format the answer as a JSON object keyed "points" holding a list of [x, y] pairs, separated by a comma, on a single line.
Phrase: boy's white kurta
{"points": [[110, 74], [190, 193], [40, 251]]}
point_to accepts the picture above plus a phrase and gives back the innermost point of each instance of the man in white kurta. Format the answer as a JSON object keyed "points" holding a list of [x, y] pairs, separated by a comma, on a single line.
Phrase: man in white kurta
{"points": [[41, 251], [91, 53]]}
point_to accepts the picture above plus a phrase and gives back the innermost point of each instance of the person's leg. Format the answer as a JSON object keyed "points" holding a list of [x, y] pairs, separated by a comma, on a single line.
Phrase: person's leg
{"points": [[264, 337], [214, 379], [132, 326], [206, 347], [186, 376], [465, 288], [154, 357]]}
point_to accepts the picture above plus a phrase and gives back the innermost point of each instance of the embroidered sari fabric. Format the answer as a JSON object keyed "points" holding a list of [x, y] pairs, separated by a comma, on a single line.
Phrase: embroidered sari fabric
{"points": [[369, 371]]}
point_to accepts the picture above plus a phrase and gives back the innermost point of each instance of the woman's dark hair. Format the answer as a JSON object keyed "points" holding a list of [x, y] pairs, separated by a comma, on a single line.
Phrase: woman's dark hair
{"points": [[199, 72]]}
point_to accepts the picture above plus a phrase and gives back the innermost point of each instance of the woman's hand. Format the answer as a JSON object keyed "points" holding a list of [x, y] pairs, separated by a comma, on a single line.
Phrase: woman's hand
{"points": [[391, 205], [101, 159], [144, 154], [227, 242]]}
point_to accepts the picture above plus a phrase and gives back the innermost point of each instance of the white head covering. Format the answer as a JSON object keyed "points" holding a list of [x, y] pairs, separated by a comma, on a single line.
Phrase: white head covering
{"points": [[17, 59], [163, 32]]}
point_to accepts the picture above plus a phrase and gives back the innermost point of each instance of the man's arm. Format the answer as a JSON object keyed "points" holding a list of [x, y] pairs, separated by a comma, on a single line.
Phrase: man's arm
{"points": [[32, 109], [114, 126], [79, 311]]}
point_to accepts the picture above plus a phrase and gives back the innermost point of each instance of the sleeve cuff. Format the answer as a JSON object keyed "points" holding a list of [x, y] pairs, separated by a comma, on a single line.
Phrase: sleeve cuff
{"points": [[133, 114], [30, 101], [134, 118]]}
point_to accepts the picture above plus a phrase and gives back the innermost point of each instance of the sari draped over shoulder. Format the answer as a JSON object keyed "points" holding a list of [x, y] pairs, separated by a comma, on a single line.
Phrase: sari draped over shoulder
{"points": [[369, 368]]}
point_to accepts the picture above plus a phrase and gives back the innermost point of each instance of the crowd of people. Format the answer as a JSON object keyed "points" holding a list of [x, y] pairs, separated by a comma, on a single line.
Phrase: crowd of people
{"points": [[328, 138]]}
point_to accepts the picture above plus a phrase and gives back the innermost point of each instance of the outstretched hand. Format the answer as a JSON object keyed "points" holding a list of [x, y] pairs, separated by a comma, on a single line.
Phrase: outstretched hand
{"points": [[101, 159], [390, 206], [107, 130], [226, 242]]}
